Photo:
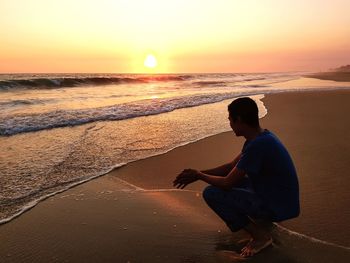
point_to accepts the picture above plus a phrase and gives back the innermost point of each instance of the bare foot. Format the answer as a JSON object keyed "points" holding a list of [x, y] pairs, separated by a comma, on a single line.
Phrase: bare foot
{"points": [[255, 246]]}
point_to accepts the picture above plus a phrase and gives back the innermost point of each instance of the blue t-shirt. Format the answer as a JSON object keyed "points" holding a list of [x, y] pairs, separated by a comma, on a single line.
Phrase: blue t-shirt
{"points": [[271, 170]]}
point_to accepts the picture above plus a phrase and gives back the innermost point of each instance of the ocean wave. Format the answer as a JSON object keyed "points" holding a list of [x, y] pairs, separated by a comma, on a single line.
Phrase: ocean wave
{"points": [[13, 103], [210, 83], [62, 118], [57, 82], [53, 81]]}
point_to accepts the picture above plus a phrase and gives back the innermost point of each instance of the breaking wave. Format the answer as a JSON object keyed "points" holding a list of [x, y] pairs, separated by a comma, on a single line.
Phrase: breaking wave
{"points": [[63, 118], [57, 82]]}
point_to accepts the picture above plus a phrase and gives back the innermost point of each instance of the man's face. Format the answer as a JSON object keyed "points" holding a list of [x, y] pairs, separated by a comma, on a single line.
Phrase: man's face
{"points": [[236, 126]]}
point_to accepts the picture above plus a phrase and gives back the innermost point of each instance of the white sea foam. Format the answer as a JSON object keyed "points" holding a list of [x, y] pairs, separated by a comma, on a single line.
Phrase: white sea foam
{"points": [[62, 118], [34, 202]]}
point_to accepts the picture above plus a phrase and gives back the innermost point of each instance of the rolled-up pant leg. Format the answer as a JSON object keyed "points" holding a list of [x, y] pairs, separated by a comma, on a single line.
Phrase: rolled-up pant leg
{"points": [[234, 206]]}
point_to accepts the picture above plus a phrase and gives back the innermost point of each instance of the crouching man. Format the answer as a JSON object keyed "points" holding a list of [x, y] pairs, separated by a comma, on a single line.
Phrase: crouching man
{"points": [[258, 187]]}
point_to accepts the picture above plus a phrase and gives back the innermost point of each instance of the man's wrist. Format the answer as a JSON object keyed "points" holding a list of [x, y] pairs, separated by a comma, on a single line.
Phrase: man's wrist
{"points": [[200, 175]]}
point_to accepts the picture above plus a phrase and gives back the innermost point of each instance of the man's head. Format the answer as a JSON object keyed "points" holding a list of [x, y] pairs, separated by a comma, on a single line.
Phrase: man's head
{"points": [[243, 113]]}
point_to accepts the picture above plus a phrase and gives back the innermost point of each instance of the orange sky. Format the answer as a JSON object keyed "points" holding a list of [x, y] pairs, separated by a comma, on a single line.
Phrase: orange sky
{"points": [[184, 35]]}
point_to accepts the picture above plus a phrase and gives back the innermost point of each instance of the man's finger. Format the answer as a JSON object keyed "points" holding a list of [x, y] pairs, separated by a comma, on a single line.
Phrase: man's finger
{"points": [[178, 180], [178, 185]]}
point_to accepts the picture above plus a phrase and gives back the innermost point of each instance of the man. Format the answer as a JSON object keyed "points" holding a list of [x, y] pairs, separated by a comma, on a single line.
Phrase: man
{"points": [[258, 187]]}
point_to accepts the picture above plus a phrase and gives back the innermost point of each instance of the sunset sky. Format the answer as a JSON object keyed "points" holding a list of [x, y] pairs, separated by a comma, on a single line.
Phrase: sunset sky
{"points": [[183, 35]]}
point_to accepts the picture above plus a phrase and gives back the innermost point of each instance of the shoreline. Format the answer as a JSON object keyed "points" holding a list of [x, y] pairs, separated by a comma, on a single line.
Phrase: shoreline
{"points": [[103, 215]]}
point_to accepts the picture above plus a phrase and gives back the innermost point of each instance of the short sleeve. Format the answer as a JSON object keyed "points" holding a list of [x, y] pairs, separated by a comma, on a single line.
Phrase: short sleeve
{"points": [[251, 159]]}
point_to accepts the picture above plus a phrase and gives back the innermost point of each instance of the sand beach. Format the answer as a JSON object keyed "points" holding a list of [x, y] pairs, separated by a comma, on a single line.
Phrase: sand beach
{"points": [[133, 214]]}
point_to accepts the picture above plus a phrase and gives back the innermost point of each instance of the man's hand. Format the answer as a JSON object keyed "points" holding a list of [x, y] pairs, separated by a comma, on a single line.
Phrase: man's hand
{"points": [[186, 177]]}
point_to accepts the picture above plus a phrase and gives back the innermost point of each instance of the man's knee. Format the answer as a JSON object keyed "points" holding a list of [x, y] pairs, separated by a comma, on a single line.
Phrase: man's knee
{"points": [[211, 193]]}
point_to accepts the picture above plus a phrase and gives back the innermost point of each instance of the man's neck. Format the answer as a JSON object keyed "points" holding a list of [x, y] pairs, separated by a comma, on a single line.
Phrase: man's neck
{"points": [[252, 133]]}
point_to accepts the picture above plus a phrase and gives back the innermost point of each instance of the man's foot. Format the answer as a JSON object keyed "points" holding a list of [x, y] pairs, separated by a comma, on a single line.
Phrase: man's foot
{"points": [[255, 246]]}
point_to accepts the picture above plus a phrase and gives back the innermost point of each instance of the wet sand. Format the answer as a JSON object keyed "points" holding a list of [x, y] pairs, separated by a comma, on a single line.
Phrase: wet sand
{"points": [[133, 214], [336, 76]]}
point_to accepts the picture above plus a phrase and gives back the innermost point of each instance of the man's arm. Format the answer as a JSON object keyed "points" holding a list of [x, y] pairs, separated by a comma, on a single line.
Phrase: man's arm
{"points": [[223, 170], [224, 182]]}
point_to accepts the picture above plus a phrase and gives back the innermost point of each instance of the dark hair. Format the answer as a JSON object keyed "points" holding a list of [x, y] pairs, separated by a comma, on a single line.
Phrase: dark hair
{"points": [[246, 109]]}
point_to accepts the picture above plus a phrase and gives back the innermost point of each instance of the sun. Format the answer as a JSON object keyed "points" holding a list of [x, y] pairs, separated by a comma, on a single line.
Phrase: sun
{"points": [[150, 61]]}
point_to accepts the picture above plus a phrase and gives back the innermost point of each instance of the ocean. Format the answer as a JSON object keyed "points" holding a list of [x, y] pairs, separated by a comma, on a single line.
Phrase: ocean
{"points": [[59, 130]]}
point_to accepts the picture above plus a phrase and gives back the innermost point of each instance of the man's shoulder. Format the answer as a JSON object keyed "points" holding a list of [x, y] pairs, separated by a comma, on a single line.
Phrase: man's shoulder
{"points": [[266, 140]]}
